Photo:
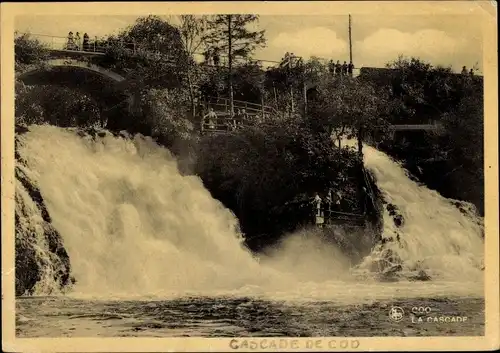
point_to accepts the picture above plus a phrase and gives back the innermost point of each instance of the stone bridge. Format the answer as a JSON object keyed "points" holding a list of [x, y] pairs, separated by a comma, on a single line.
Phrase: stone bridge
{"points": [[74, 65], [77, 69]]}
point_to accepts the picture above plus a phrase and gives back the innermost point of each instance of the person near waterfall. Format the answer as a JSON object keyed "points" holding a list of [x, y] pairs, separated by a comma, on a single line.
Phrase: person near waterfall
{"points": [[317, 202], [212, 118], [329, 201]]}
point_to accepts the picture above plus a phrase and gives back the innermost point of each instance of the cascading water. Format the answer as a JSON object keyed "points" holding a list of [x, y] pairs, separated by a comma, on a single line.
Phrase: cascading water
{"points": [[133, 225], [436, 235], [130, 222]]}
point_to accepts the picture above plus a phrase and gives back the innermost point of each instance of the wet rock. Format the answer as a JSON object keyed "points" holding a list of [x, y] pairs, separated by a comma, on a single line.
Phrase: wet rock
{"points": [[41, 261], [420, 276], [124, 134], [386, 260], [395, 214], [21, 129], [391, 209], [398, 220]]}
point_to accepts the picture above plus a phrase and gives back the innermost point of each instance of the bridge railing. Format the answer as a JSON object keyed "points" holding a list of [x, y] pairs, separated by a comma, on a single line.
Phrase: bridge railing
{"points": [[96, 46], [328, 214], [224, 122], [254, 108], [93, 45]]}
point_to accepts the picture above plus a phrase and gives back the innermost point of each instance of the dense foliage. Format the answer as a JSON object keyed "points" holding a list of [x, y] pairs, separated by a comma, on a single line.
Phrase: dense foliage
{"points": [[267, 173], [28, 51], [450, 161]]}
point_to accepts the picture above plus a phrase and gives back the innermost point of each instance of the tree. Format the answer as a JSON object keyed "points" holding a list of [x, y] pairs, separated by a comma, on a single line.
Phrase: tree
{"points": [[266, 173], [344, 107], [248, 81], [192, 30], [450, 162], [55, 105], [281, 81], [159, 59], [28, 51], [230, 34]]}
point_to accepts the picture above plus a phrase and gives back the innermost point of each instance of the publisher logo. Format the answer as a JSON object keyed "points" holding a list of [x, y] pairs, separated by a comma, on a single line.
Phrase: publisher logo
{"points": [[396, 313]]}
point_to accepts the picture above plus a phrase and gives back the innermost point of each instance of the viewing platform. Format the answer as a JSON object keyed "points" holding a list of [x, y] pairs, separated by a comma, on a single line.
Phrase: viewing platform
{"points": [[415, 127]]}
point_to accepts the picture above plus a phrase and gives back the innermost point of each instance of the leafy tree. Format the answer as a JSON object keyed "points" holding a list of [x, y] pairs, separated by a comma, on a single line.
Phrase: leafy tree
{"points": [[267, 173], [347, 106], [157, 58], [28, 51], [451, 161], [55, 105], [248, 82], [192, 30], [230, 34]]}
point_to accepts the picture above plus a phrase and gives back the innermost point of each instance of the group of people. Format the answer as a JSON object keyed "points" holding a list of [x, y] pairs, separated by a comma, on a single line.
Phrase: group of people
{"points": [[212, 56], [341, 69], [332, 200], [75, 42], [465, 72]]}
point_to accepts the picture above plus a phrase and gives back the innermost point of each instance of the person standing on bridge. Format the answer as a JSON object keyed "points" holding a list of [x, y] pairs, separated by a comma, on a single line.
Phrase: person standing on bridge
{"points": [[85, 42], [350, 68], [71, 42], [338, 68], [331, 67], [344, 68], [77, 41], [216, 57], [207, 56]]}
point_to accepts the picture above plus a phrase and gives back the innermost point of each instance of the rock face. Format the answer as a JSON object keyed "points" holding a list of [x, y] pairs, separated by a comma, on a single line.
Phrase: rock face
{"points": [[42, 263]]}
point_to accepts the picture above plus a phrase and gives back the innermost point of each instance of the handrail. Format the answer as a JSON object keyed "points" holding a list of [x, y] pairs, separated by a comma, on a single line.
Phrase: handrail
{"points": [[94, 44], [236, 101], [409, 127], [225, 108], [240, 104], [41, 35]]}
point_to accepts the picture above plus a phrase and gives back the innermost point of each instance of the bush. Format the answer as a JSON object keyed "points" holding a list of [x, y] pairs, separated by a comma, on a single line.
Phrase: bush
{"points": [[266, 174], [28, 51], [54, 105], [451, 163]]}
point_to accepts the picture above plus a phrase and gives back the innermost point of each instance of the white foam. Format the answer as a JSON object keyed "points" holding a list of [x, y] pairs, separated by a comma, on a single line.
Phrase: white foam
{"points": [[134, 227]]}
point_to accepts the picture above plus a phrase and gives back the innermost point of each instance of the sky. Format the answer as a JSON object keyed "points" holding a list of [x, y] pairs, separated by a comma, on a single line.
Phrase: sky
{"points": [[448, 40]]}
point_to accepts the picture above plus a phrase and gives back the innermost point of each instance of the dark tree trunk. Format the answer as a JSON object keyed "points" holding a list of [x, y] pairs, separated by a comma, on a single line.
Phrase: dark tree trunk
{"points": [[360, 142], [230, 64]]}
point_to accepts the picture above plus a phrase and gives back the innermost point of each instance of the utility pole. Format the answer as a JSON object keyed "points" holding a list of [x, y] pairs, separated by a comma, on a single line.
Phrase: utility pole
{"points": [[275, 95], [304, 93], [350, 40], [230, 65], [304, 90], [302, 73], [290, 67]]}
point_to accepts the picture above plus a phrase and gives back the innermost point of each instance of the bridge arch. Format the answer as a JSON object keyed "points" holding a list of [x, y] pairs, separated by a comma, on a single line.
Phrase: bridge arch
{"points": [[105, 87], [57, 67]]}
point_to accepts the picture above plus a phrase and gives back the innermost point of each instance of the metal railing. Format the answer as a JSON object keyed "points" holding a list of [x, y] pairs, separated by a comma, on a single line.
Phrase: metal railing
{"points": [[93, 46], [74, 44], [224, 122], [324, 215], [244, 114], [433, 126], [239, 104]]}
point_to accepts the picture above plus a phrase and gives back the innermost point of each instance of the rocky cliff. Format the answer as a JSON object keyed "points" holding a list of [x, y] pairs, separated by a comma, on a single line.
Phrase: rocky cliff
{"points": [[42, 265]]}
